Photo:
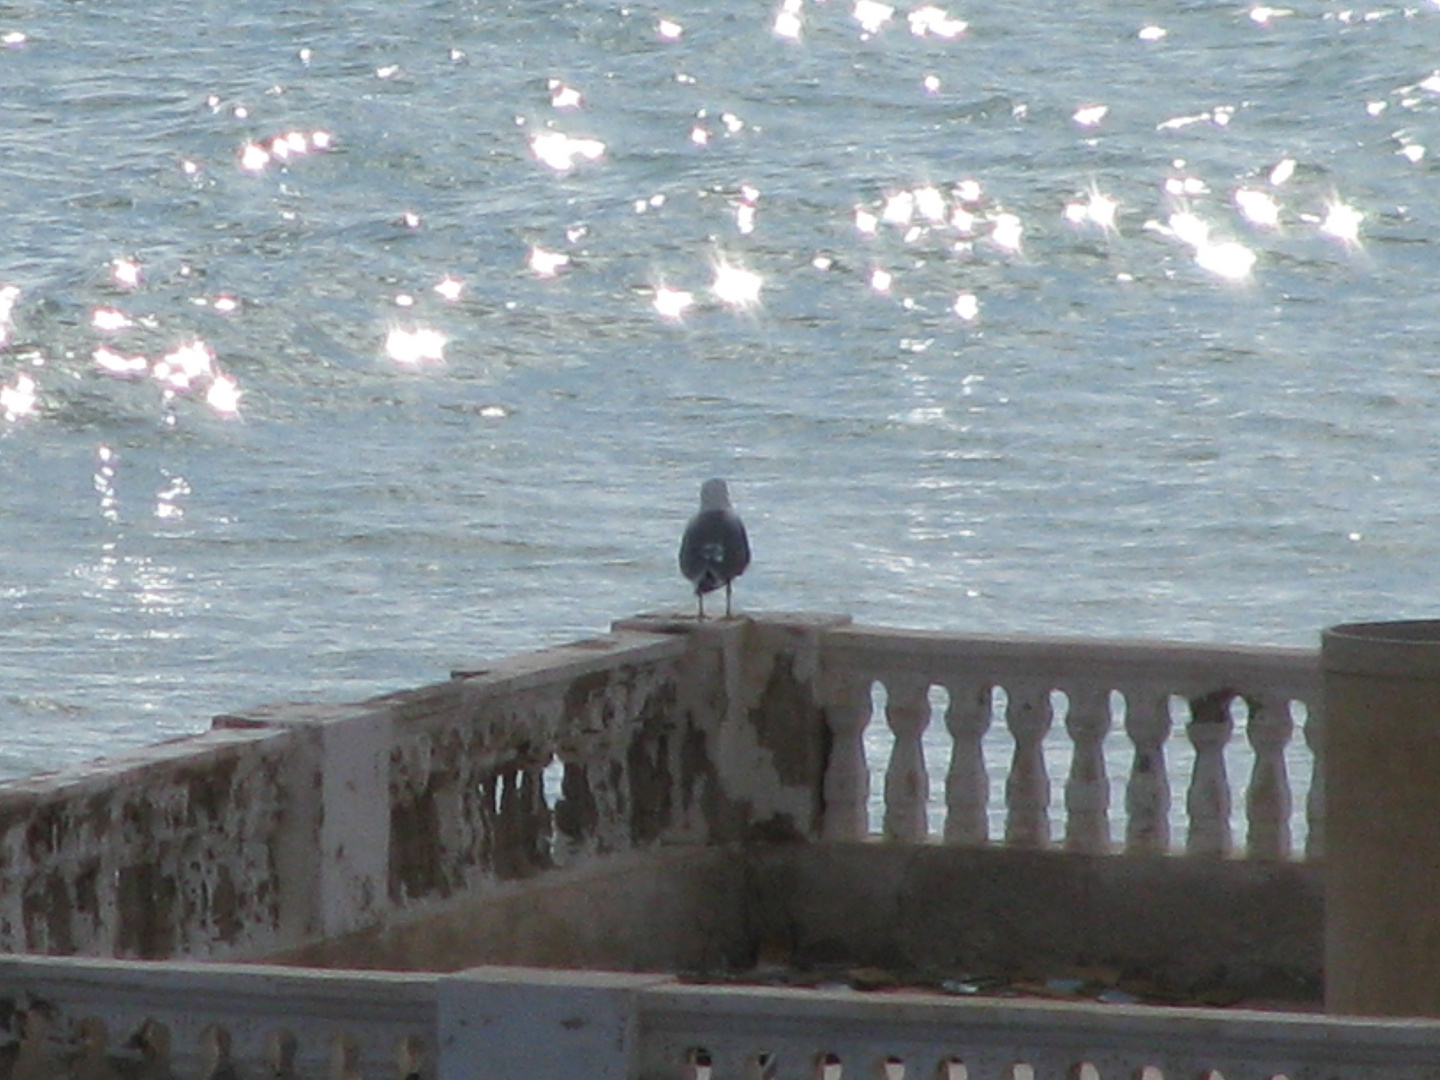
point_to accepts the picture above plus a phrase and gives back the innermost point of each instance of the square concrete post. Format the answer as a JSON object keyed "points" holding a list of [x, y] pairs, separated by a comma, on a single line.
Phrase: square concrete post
{"points": [[498, 1023]]}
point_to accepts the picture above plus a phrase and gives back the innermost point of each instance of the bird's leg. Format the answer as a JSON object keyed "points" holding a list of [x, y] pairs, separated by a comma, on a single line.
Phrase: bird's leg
{"points": [[727, 600], [700, 598]]}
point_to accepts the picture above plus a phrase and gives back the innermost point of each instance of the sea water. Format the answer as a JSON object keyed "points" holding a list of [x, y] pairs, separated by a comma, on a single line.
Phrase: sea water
{"points": [[344, 345]]}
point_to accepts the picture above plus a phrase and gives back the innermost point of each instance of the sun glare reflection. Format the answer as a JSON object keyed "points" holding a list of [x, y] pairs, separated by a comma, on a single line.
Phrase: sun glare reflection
{"points": [[562, 153], [564, 97], [1094, 209], [672, 303], [789, 21], [932, 20], [19, 399], [110, 319], [9, 294], [224, 395], [450, 288], [872, 15], [967, 306], [1259, 208], [1006, 231], [1342, 222], [126, 273], [546, 264], [115, 363], [415, 346], [736, 286]]}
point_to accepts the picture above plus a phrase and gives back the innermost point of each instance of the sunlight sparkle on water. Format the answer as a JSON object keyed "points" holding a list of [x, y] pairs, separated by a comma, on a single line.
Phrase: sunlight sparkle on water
{"points": [[564, 97], [1096, 209], [881, 280], [545, 263], [866, 222], [114, 363], [1006, 231], [788, 20], [930, 19], [736, 286], [1090, 115], [872, 15], [254, 157], [224, 395], [1228, 259], [1258, 207], [930, 204], [1342, 222], [1152, 33], [450, 288], [1282, 172], [1263, 15], [181, 367], [561, 152], [416, 346], [126, 273], [931, 84], [967, 306], [669, 30], [673, 303], [110, 319], [9, 294], [18, 398], [899, 208]]}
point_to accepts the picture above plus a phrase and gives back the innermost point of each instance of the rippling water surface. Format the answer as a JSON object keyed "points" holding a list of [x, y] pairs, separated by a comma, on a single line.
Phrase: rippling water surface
{"points": [[347, 344]]}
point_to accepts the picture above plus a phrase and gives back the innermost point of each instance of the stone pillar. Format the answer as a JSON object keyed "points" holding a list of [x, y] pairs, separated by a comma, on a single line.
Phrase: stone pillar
{"points": [[1382, 863]]}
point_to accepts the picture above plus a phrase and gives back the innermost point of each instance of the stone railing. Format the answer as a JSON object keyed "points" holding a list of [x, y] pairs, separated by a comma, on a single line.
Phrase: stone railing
{"points": [[205, 1022], [68, 1017], [1021, 691], [293, 824]]}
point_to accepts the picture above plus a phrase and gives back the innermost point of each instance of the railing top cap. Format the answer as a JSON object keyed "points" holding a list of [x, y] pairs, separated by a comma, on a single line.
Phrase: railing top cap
{"points": [[1083, 658]]}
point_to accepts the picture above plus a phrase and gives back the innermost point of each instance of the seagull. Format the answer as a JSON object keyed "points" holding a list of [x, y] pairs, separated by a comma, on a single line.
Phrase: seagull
{"points": [[714, 550]]}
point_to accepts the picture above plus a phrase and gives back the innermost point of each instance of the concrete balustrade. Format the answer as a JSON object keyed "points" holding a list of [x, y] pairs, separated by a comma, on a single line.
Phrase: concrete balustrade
{"points": [[789, 790], [96, 1018], [290, 825], [1015, 683]]}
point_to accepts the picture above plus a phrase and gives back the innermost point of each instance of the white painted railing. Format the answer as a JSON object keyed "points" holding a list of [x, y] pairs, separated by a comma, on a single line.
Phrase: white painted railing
{"points": [[726, 1033], [88, 1018], [103, 1019], [1051, 698]]}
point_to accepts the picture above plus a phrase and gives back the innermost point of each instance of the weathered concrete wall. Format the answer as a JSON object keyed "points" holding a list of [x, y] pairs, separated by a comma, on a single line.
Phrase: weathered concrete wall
{"points": [[1197, 928], [195, 847], [1255, 928], [667, 909]]}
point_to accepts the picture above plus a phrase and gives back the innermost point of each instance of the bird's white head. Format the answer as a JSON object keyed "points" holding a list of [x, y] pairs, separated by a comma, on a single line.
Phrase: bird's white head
{"points": [[714, 495]]}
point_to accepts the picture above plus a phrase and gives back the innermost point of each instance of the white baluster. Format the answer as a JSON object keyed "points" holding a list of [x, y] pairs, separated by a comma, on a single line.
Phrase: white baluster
{"points": [[907, 784], [1268, 802], [847, 774], [1208, 800], [1087, 790], [1147, 794], [1315, 801], [1027, 788], [967, 785]]}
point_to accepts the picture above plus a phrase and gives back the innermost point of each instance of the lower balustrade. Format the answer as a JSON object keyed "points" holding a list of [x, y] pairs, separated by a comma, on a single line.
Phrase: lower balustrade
{"points": [[93, 1019]]}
